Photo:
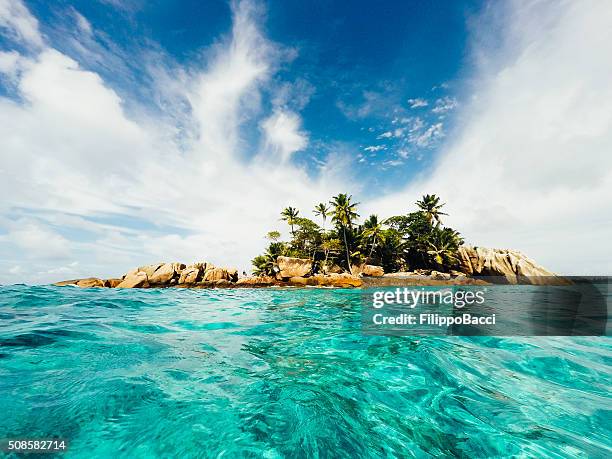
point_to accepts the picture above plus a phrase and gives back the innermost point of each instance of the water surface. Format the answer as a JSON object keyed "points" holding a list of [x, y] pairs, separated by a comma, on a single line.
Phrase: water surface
{"points": [[284, 373]]}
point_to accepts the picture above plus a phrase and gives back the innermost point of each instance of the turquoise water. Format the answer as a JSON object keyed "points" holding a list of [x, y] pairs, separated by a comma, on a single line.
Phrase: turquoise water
{"points": [[284, 373]]}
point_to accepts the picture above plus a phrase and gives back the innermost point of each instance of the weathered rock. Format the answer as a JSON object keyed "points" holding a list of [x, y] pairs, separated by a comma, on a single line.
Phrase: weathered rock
{"points": [[232, 274], [147, 269], [402, 274], [90, 282], [66, 282], [202, 266], [509, 264], [368, 270], [163, 274], [112, 283], [337, 280], [256, 281], [293, 267], [302, 281], [139, 279], [189, 275], [436, 275], [222, 283], [215, 274], [331, 269], [178, 267]]}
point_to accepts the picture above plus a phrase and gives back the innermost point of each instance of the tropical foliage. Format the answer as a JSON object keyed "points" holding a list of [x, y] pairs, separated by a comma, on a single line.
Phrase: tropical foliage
{"points": [[402, 242]]}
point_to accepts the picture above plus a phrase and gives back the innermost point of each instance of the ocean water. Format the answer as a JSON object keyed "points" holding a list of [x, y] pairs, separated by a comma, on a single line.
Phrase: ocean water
{"points": [[284, 373]]}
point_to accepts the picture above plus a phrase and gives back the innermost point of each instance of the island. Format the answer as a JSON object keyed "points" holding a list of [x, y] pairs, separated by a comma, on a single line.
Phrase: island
{"points": [[410, 249]]}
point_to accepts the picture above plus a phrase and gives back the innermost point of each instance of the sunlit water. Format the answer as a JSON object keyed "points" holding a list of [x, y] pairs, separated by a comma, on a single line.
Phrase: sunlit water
{"points": [[284, 373]]}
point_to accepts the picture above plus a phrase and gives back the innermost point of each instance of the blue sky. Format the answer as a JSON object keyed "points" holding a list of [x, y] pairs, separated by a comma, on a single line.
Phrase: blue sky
{"points": [[364, 74], [139, 131]]}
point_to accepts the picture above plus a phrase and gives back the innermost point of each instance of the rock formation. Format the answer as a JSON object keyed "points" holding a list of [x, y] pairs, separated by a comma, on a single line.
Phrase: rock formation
{"points": [[293, 267], [134, 279], [509, 264], [368, 270]]}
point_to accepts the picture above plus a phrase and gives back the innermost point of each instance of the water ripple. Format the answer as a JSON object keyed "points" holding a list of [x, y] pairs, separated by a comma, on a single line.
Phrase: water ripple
{"points": [[284, 372]]}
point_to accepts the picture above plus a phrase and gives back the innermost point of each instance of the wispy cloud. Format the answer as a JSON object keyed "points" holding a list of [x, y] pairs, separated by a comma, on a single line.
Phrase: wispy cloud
{"points": [[375, 148], [529, 166], [427, 137], [16, 22], [62, 158], [417, 103], [444, 105]]}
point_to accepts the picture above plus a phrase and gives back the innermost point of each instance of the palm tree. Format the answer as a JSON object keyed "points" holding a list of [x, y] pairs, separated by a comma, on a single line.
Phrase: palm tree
{"points": [[274, 236], [430, 206], [443, 244], [289, 214], [373, 229], [344, 213], [322, 210], [330, 245]]}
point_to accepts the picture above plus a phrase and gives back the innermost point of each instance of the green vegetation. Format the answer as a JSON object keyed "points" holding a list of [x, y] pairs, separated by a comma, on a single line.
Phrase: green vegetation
{"points": [[399, 243]]}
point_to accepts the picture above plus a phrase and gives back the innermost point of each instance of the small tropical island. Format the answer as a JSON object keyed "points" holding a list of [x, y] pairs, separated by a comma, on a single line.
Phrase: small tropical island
{"points": [[411, 249]]}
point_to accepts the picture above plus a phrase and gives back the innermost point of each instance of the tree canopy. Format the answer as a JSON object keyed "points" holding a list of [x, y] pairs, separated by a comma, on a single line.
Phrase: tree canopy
{"points": [[410, 241]]}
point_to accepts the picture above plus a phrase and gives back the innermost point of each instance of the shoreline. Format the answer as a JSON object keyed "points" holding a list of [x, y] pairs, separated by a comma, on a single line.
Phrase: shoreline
{"points": [[477, 266]]}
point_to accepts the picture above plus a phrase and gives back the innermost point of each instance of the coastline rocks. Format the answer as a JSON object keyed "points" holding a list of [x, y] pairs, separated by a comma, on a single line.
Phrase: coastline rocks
{"points": [[337, 280], [112, 283], [90, 282], [369, 270], [511, 265], [436, 275], [293, 267], [66, 282], [301, 281], [189, 275], [148, 269], [401, 274], [256, 281], [164, 273], [232, 274], [133, 280], [332, 269], [215, 274]]}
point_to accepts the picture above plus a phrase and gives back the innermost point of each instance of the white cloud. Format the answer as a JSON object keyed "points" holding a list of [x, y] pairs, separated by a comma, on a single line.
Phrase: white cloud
{"points": [[18, 23], [428, 137], [444, 105], [34, 240], [71, 155], [283, 135], [385, 135], [375, 148], [417, 103], [82, 22], [530, 165], [9, 62]]}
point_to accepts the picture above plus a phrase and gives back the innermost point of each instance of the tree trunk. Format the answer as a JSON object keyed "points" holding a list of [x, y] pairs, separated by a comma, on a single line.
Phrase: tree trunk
{"points": [[348, 258], [372, 248]]}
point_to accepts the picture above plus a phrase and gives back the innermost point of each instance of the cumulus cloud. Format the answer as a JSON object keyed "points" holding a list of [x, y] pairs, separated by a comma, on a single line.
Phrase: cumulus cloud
{"points": [[110, 190], [529, 166]]}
